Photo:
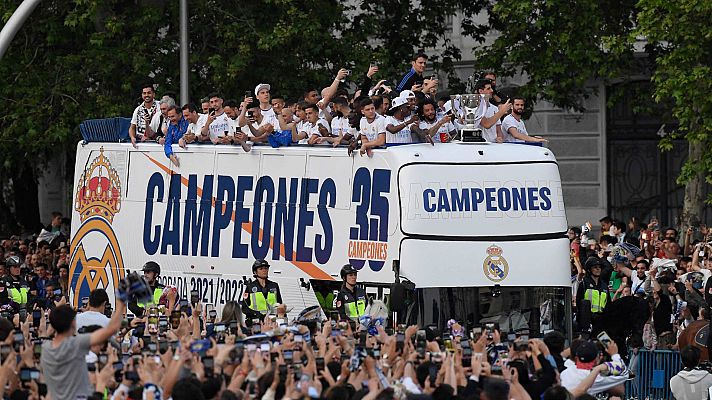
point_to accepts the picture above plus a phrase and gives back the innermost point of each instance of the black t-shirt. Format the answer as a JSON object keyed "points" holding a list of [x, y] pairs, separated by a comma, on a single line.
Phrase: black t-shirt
{"points": [[662, 313]]}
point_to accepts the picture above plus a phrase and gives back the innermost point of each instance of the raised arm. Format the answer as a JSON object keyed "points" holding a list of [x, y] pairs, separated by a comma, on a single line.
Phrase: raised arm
{"points": [[102, 335]]}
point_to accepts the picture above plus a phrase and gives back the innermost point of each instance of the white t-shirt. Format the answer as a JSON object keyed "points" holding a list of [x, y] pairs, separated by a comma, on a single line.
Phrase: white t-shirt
{"points": [[220, 125], [372, 129], [444, 128], [159, 123], [196, 127], [89, 318], [312, 129], [139, 115], [490, 134], [511, 122], [269, 113], [572, 377], [340, 126], [269, 119], [402, 136]]}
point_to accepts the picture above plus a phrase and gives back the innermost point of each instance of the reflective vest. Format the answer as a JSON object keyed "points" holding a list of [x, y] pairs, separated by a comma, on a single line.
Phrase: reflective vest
{"points": [[157, 293], [19, 296], [597, 298], [355, 309], [259, 303]]}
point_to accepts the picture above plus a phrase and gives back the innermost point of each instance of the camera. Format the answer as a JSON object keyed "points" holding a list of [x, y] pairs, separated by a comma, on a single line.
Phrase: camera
{"points": [[137, 288]]}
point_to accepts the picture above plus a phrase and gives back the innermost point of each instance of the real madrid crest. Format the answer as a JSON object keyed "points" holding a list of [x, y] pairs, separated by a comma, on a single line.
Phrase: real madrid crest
{"points": [[495, 265], [98, 200]]}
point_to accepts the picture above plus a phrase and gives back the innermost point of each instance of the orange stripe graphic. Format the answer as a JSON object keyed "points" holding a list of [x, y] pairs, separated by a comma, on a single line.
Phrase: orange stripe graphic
{"points": [[308, 268]]}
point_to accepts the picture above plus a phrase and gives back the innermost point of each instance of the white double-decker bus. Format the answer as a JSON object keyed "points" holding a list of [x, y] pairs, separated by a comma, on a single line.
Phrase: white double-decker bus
{"points": [[478, 228]]}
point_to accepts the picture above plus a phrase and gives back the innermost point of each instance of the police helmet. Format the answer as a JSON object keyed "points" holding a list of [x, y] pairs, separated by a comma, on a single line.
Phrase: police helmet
{"points": [[592, 261], [259, 264], [152, 266], [347, 269], [13, 261]]}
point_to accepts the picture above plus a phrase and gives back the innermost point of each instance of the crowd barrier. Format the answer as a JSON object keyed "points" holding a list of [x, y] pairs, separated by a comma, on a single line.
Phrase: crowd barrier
{"points": [[653, 370], [105, 130]]}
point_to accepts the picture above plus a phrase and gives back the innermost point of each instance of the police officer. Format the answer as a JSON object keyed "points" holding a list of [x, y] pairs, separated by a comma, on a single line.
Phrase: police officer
{"points": [[260, 293], [18, 289], [592, 295], [151, 272], [351, 300]]}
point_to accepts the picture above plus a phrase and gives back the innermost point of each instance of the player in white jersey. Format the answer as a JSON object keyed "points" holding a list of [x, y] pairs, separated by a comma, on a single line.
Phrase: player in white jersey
{"points": [[399, 121], [372, 128], [514, 128]]}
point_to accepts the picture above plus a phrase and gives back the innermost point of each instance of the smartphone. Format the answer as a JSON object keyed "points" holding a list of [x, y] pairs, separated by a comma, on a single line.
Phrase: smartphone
{"points": [[175, 319], [320, 363], [288, 356], [400, 341], [163, 323], [152, 347], [152, 325], [208, 362], [36, 318], [103, 359], [604, 338], [37, 349], [200, 345], [248, 94], [18, 339], [132, 376], [162, 346], [29, 374], [118, 366], [264, 347], [283, 371]]}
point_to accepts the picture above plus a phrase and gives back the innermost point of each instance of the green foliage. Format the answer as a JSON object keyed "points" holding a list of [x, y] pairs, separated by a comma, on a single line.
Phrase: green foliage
{"points": [[80, 59], [679, 32], [560, 46]]}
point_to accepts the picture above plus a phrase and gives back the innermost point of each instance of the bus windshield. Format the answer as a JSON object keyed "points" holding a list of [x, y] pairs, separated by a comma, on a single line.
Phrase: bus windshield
{"points": [[531, 311]]}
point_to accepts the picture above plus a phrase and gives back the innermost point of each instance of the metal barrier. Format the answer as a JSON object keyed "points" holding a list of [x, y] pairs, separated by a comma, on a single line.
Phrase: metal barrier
{"points": [[653, 370]]}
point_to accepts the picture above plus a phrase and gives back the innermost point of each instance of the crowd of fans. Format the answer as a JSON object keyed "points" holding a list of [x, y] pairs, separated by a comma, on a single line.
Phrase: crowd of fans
{"points": [[645, 260], [373, 115], [187, 351]]}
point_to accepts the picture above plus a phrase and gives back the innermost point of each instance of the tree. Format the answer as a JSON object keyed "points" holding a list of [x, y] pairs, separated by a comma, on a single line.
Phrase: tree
{"points": [[560, 46], [78, 60], [679, 34]]}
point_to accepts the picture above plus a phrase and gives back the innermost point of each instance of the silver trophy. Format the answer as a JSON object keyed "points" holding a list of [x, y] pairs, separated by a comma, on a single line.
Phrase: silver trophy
{"points": [[469, 104]]}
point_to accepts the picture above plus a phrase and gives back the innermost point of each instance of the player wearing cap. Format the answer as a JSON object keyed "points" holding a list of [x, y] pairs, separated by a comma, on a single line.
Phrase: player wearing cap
{"points": [[351, 301], [587, 360], [263, 96], [260, 293], [151, 271], [399, 121]]}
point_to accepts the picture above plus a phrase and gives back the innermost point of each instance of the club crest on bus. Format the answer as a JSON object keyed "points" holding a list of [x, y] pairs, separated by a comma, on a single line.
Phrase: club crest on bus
{"points": [[98, 200], [495, 265]]}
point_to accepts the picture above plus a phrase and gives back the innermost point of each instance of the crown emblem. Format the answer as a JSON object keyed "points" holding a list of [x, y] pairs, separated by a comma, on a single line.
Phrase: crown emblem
{"points": [[99, 192], [494, 250]]}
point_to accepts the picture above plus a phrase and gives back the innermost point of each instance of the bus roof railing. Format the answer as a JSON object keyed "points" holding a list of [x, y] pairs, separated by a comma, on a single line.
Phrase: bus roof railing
{"points": [[105, 130]]}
